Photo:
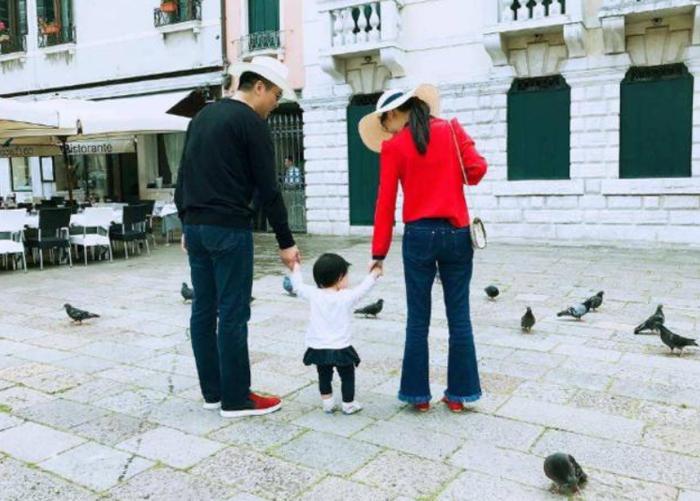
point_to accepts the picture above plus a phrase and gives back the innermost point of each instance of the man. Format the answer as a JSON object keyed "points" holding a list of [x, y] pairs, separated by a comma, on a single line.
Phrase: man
{"points": [[292, 173], [228, 155]]}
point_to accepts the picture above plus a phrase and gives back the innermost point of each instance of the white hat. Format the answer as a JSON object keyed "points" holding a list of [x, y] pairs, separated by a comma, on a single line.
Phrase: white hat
{"points": [[370, 127], [268, 68]]}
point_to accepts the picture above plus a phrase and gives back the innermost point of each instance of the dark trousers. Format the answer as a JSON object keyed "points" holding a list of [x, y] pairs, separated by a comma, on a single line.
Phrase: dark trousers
{"points": [[221, 264], [347, 380], [429, 245]]}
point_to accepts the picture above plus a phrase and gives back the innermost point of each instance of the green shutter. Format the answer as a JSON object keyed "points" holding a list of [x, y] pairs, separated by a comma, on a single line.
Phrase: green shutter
{"points": [[656, 122], [363, 164], [263, 15], [4, 12], [538, 128]]}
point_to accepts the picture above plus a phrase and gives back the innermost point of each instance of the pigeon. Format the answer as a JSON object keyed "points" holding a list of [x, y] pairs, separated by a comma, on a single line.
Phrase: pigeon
{"points": [[287, 285], [564, 471], [594, 302], [492, 291], [77, 315], [186, 292], [371, 309], [576, 311], [527, 321], [674, 341], [653, 322]]}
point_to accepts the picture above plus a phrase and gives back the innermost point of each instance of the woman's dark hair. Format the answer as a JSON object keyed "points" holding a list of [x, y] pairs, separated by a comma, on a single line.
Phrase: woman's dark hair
{"points": [[329, 269], [418, 121], [248, 79]]}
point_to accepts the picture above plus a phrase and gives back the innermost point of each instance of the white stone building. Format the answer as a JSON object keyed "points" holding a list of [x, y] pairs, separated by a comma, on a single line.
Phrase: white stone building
{"points": [[587, 110], [152, 53]]}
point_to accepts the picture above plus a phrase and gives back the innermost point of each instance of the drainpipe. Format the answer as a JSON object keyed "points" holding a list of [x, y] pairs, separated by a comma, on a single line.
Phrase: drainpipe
{"points": [[224, 38]]}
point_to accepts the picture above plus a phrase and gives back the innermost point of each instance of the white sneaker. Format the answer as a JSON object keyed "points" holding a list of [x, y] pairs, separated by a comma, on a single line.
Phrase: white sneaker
{"points": [[211, 406], [328, 405], [352, 407]]}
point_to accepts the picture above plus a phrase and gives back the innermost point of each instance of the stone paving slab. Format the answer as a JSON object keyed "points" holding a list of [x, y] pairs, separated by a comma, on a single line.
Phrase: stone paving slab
{"points": [[19, 482], [34, 442], [339, 489], [96, 466], [171, 447]]}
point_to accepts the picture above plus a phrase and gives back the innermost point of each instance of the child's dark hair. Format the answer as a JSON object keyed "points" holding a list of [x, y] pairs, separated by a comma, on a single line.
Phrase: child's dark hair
{"points": [[329, 269]]}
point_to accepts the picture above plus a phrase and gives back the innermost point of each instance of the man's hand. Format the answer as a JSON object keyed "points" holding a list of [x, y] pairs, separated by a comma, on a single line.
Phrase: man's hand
{"points": [[183, 245], [289, 256]]}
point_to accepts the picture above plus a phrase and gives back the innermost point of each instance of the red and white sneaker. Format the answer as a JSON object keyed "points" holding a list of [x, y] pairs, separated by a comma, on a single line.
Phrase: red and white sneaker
{"points": [[259, 405], [453, 406], [211, 406]]}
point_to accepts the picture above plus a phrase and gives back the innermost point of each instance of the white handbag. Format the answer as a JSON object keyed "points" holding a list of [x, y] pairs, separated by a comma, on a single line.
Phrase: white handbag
{"points": [[476, 228]]}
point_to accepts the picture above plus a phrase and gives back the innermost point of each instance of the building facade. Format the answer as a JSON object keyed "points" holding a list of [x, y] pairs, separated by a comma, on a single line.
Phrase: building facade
{"points": [[152, 54], [587, 110]]}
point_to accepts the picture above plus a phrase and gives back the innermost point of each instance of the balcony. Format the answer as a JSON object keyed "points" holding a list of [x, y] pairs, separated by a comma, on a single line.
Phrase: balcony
{"points": [[55, 38], [262, 43], [170, 18], [614, 12], [356, 28], [12, 44], [507, 19]]}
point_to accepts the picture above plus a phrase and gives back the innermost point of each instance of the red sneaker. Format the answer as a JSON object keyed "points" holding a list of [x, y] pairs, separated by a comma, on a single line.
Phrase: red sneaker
{"points": [[453, 406], [259, 405], [424, 407]]}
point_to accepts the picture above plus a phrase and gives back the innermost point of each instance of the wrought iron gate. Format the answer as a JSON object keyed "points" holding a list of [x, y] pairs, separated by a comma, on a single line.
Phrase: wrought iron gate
{"points": [[286, 125]]}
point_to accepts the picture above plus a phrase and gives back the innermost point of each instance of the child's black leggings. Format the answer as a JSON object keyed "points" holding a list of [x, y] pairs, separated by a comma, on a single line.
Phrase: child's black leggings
{"points": [[347, 380]]}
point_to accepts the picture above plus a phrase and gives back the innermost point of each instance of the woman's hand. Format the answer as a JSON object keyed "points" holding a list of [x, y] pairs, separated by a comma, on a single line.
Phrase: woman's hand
{"points": [[376, 267]]}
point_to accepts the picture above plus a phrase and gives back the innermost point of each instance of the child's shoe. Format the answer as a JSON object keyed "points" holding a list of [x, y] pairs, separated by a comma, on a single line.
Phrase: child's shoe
{"points": [[328, 405], [351, 407]]}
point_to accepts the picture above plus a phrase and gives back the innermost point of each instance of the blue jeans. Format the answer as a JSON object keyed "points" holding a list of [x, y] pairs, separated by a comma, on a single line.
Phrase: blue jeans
{"points": [[429, 245], [221, 263]]}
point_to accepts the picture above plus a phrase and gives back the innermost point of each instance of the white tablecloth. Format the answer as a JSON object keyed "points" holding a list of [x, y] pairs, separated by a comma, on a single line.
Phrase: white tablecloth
{"points": [[32, 220]]}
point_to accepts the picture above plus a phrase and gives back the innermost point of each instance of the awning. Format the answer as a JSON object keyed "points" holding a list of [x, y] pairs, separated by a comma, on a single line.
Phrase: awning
{"points": [[152, 103], [16, 115]]}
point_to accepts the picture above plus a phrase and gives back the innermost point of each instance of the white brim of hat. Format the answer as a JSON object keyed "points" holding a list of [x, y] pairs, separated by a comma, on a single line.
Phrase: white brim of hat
{"points": [[237, 69], [371, 131]]}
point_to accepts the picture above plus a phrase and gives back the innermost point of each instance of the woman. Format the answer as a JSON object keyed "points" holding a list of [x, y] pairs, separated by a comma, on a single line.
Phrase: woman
{"points": [[420, 151]]}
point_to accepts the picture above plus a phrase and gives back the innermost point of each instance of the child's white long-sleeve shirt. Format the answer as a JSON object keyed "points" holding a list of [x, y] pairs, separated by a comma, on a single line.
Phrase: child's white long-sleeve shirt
{"points": [[331, 311]]}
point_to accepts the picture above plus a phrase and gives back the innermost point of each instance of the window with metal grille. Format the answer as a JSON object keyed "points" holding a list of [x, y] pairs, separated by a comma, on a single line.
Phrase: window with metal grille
{"points": [[656, 122], [538, 128]]}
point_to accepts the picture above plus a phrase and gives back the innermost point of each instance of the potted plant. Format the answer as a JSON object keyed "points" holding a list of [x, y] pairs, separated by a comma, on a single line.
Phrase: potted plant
{"points": [[50, 27], [169, 6], [4, 35]]}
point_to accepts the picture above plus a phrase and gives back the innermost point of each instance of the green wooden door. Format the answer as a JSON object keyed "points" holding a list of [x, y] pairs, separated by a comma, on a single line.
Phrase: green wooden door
{"points": [[263, 15], [538, 128], [656, 122], [363, 164]]}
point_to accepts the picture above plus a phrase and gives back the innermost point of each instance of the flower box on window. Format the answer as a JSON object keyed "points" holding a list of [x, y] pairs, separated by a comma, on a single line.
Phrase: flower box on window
{"points": [[169, 7]]}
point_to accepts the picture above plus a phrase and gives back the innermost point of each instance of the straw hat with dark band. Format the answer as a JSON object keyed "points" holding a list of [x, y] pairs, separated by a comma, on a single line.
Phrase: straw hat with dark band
{"points": [[371, 130]]}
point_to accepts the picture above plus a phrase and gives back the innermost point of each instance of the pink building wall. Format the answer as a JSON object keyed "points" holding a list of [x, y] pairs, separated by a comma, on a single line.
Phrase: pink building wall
{"points": [[291, 24]]}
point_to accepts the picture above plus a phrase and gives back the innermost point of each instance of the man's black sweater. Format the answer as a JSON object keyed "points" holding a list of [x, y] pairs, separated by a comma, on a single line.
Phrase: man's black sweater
{"points": [[229, 154]]}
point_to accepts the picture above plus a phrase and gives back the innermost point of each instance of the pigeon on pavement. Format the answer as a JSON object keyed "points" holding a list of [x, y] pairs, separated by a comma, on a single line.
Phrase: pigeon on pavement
{"points": [[653, 322], [186, 292], [576, 311], [674, 341], [594, 302], [371, 310], [77, 315], [287, 285], [564, 471], [492, 291], [527, 321]]}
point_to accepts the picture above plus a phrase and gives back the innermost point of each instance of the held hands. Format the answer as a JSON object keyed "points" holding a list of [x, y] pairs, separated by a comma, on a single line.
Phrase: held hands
{"points": [[289, 256], [376, 267]]}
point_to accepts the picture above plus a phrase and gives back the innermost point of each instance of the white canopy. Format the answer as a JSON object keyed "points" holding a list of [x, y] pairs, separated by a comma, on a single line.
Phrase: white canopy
{"points": [[79, 120], [16, 116]]}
